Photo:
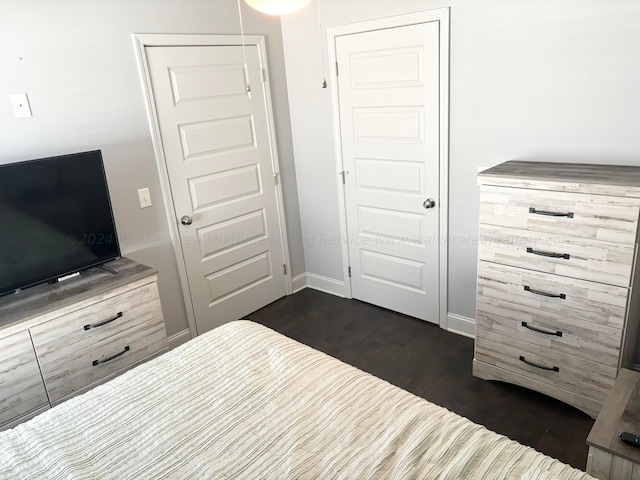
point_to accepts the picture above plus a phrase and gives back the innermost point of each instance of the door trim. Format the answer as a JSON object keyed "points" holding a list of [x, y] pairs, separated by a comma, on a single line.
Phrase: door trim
{"points": [[141, 41], [440, 15]]}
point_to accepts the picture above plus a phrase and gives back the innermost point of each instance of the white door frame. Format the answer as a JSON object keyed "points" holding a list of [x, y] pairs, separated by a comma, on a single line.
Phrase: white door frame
{"points": [[440, 15], [164, 40]]}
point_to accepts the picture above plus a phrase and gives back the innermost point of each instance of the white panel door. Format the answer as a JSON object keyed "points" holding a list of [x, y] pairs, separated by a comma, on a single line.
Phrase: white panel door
{"points": [[216, 145], [388, 86]]}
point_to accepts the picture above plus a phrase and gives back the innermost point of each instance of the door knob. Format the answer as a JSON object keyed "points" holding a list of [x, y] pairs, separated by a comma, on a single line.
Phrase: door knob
{"points": [[429, 203], [186, 220]]}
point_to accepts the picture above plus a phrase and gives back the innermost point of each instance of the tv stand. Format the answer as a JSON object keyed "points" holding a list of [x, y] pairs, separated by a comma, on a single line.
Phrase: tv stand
{"points": [[58, 340], [106, 269]]}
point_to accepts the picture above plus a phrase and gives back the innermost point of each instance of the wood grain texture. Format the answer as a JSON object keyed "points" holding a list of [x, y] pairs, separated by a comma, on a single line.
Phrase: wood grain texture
{"points": [[605, 466], [598, 207], [600, 464], [21, 387], [43, 302], [573, 336], [65, 335], [50, 340], [584, 377], [490, 372], [589, 301], [154, 350], [621, 469], [76, 370], [617, 180], [621, 413], [597, 217], [591, 260], [632, 324]]}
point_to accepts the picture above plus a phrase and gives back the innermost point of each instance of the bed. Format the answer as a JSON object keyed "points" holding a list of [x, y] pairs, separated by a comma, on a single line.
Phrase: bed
{"points": [[243, 401]]}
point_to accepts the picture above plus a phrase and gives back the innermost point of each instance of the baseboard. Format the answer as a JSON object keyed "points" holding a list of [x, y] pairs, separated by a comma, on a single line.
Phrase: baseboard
{"points": [[299, 282], [325, 284], [179, 338], [464, 326], [455, 323]]}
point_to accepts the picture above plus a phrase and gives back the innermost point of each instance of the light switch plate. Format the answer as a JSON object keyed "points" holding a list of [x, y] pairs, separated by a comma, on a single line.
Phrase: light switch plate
{"points": [[20, 103], [144, 197]]}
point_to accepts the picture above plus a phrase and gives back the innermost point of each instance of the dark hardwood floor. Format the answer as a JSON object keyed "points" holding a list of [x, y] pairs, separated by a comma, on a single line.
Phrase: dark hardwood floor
{"points": [[431, 363]]}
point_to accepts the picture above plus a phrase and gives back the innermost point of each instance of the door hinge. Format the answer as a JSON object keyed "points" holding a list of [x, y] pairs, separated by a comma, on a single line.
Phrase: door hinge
{"points": [[263, 73], [343, 173], [349, 270], [275, 178], [284, 269], [337, 69]]}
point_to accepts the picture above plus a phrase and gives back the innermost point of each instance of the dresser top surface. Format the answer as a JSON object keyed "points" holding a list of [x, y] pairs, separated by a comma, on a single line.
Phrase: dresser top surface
{"points": [[620, 413], [623, 180], [43, 298]]}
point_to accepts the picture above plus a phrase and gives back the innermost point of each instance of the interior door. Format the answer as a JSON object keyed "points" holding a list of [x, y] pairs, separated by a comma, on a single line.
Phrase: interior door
{"points": [[388, 87], [217, 149]]}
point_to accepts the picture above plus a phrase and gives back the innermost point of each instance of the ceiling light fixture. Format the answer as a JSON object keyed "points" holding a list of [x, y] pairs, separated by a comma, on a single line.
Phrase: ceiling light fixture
{"points": [[277, 7]]}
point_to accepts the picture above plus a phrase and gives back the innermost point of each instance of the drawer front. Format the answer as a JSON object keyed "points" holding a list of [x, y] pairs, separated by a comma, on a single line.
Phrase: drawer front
{"points": [[21, 387], [586, 259], [578, 375], [84, 367], [489, 372], [562, 334], [60, 337], [596, 217], [588, 301]]}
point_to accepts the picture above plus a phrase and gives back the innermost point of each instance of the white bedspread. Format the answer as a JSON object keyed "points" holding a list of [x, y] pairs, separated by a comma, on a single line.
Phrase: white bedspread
{"points": [[246, 402]]}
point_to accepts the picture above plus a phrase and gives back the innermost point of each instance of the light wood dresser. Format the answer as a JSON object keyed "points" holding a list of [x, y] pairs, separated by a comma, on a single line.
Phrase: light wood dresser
{"points": [[557, 299], [59, 340]]}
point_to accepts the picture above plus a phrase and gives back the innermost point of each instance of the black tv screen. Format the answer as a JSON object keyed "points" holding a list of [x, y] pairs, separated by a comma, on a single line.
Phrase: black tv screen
{"points": [[55, 219]]}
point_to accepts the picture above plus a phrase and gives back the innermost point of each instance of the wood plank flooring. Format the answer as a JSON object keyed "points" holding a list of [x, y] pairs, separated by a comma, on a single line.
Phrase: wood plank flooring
{"points": [[431, 363]]}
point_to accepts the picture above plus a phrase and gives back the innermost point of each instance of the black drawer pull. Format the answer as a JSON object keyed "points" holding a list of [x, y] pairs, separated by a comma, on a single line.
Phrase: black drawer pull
{"points": [[566, 256], [96, 325], [545, 294], [550, 214], [108, 359], [554, 369], [539, 330]]}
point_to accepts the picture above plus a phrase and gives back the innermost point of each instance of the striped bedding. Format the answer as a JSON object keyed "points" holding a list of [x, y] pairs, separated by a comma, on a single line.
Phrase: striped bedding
{"points": [[243, 401]]}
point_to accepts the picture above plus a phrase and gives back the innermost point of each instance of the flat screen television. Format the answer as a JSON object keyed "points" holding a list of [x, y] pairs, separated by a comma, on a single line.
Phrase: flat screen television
{"points": [[55, 219]]}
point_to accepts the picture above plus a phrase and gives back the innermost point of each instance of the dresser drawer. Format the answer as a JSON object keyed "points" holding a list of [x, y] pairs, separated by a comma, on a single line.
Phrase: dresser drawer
{"points": [[60, 337], [21, 387], [578, 375], [594, 260], [562, 334], [490, 372], [589, 301], [89, 365], [597, 217]]}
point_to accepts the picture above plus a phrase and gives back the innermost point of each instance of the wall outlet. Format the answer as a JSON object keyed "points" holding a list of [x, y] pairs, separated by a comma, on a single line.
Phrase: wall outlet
{"points": [[20, 103], [144, 197]]}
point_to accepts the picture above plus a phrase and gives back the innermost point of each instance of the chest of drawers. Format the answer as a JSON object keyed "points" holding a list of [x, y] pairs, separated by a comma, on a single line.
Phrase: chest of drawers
{"points": [[557, 298], [60, 340]]}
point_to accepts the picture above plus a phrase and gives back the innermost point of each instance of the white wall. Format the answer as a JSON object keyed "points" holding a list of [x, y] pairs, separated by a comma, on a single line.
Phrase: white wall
{"points": [[552, 80], [76, 61]]}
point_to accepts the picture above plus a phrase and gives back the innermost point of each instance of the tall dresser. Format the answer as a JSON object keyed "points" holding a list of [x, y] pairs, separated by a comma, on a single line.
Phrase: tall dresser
{"points": [[558, 289]]}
